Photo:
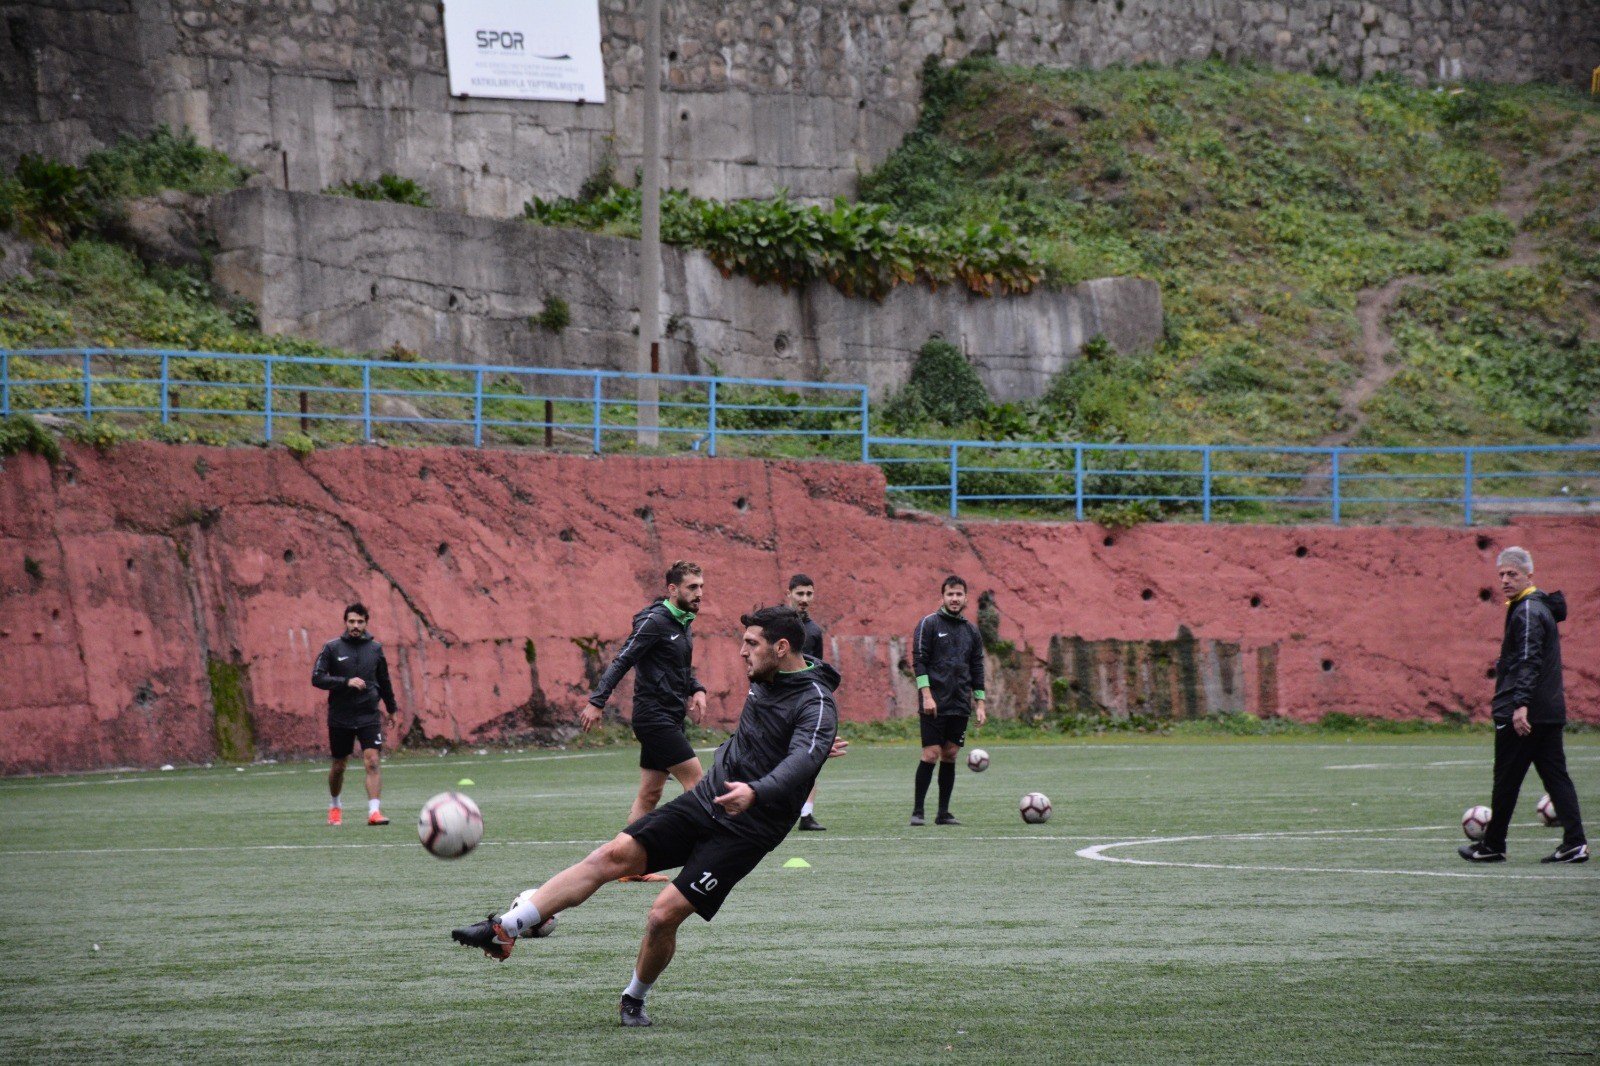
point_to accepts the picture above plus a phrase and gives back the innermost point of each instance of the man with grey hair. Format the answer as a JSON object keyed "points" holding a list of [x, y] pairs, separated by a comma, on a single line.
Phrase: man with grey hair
{"points": [[1530, 713]]}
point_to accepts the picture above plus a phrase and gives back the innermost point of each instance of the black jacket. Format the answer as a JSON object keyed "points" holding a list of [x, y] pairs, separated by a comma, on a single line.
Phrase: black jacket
{"points": [[663, 650], [812, 645], [340, 660], [784, 735], [948, 652], [1529, 671]]}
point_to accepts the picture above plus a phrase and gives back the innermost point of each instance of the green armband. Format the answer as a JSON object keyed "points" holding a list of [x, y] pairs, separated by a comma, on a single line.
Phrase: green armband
{"points": [[977, 694], [922, 681]]}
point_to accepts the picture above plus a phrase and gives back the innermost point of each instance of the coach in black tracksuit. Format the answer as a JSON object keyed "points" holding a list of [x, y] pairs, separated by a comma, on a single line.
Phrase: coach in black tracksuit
{"points": [[1530, 713], [355, 674], [947, 656], [660, 652]]}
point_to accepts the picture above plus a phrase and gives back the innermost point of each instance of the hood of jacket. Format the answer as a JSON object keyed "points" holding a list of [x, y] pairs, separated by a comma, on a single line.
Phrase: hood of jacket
{"points": [[1555, 601]]}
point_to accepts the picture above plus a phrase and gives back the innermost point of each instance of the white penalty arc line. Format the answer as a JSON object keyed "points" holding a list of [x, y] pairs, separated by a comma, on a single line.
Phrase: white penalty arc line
{"points": [[1097, 853]]}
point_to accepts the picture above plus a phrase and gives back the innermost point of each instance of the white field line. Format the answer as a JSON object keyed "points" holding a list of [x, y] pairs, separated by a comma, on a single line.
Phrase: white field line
{"points": [[250, 772], [1097, 852], [1485, 761]]}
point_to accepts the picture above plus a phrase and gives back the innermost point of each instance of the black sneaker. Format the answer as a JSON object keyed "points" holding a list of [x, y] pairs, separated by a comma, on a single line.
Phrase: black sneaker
{"points": [[917, 819], [947, 819], [633, 1015], [486, 935], [1575, 853], [808, 824], [1480, 852]]}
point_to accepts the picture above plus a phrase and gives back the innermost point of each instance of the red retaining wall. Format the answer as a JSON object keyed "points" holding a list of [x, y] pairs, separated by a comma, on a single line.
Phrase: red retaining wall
{"points": [[121, 574]]}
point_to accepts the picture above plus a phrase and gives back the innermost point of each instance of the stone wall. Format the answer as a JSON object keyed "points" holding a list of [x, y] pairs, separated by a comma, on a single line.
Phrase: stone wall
{"points": [[139, 585], [367, 275], [802, 94]]}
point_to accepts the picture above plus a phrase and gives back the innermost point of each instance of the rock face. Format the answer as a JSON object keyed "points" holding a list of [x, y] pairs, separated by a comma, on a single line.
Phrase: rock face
{"points": [[165, 603], [460, 289], [799, 94]]}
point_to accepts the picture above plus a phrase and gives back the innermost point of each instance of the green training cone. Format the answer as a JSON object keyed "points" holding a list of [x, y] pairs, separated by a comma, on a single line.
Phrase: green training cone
{"points": [[797, 863], [465, 782]]}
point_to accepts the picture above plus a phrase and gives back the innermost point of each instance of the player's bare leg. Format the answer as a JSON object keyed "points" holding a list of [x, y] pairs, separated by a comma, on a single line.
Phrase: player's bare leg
{"points": [[660, 943], [335, 788], [370, 759], [620, 856], [651, 783]]}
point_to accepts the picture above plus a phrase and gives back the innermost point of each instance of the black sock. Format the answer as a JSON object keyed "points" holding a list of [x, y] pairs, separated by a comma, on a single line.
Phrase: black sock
{"points": [[924, 778], [947, 785]]}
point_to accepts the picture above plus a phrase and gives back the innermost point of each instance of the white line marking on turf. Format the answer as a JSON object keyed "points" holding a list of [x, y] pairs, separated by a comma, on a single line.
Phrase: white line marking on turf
{"points": [[1097, 853], [252, 772]]}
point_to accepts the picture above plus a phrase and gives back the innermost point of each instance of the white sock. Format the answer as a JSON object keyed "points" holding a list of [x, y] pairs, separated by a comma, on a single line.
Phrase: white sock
{"points": [[335, 802], [372, 806], [636, 988], [805, 811], [522, 917]]}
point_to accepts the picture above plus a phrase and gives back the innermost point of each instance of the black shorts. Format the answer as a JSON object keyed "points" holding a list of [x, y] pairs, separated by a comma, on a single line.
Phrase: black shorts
{"points": [[342, 739], [662, 745], [714, 859], [943, 729]]}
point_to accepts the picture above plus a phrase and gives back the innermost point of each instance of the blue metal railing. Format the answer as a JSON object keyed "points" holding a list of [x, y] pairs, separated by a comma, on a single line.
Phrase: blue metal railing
{"points": [[500, 403], [482, 399]]}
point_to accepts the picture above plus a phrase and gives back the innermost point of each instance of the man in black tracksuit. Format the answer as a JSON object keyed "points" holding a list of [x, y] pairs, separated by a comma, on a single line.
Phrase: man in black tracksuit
{"points": [[352, 669], [802, 591], [718, 831], [660, 651], [947, 656], [1530, 713]]}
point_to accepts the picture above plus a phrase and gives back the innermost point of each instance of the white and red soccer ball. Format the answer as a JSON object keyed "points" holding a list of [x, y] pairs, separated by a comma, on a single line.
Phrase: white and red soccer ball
{"points": [[1035, 808], [1547, 811], [1475, 821], [977, 760], [450, 825]]}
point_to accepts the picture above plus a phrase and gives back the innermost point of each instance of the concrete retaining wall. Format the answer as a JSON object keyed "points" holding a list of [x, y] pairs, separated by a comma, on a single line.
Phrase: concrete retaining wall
{"points": [[366, 275]]}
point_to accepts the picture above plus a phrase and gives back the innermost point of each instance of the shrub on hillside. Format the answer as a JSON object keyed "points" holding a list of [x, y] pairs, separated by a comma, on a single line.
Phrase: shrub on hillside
{"points": [[389, 187]]}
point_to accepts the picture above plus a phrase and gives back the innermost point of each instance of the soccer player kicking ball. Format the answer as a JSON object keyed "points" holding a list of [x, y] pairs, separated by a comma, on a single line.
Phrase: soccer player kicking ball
{"points": [[717, 831]]}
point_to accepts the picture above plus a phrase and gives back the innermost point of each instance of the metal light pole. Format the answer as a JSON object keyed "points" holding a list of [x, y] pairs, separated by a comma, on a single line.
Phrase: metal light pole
{"points": [[649, 360]]}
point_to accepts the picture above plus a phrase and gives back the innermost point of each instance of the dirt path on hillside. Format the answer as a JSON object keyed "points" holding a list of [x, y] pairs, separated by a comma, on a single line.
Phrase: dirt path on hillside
{"points": [[1374, 304]]}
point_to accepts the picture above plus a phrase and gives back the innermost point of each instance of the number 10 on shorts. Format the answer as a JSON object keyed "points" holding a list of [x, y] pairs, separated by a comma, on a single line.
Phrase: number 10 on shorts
{"points": [[706, 884]]}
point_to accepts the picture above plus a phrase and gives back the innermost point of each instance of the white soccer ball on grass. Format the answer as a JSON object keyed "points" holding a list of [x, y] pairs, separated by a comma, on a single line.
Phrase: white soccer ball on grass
{"points": [[1035, 808], [1547, 811], [977, 760], [1475, 821], [450, 825]]}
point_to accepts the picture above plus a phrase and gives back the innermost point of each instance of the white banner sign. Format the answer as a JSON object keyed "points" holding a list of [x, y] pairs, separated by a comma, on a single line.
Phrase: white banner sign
{"points": [[525, 49]]}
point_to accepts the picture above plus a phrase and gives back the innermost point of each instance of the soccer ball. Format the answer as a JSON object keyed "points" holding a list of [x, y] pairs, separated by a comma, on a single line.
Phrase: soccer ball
{"points": [[1547, 811], [1475, 821], [1035, 808], [977, 760], [450, 825]]}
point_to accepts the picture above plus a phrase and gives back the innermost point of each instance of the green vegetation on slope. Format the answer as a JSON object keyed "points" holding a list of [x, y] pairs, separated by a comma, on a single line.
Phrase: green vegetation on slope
{"points": [[1268, 206]]}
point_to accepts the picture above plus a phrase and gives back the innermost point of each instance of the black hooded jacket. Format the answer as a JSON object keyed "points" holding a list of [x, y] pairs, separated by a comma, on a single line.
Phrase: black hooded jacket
{"points": [[661, 652], [784, 735], [340, 660], [1528, 673], [812, 645]]}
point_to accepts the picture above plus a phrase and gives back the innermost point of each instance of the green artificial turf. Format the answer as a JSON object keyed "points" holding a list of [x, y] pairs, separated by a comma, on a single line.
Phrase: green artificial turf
{"points": [[1325, 917]]}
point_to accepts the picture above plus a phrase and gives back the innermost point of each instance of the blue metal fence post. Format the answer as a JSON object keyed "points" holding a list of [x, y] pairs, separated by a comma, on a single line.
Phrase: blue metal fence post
{"points": [[366, 402], [1205, 477], [267, 378], [711, 419], [88, 389], [1466, 497], [166, 394], [1077, 490], [477, 408], [866, 440], [955, 495], [1333, 486], [597, 382]]}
